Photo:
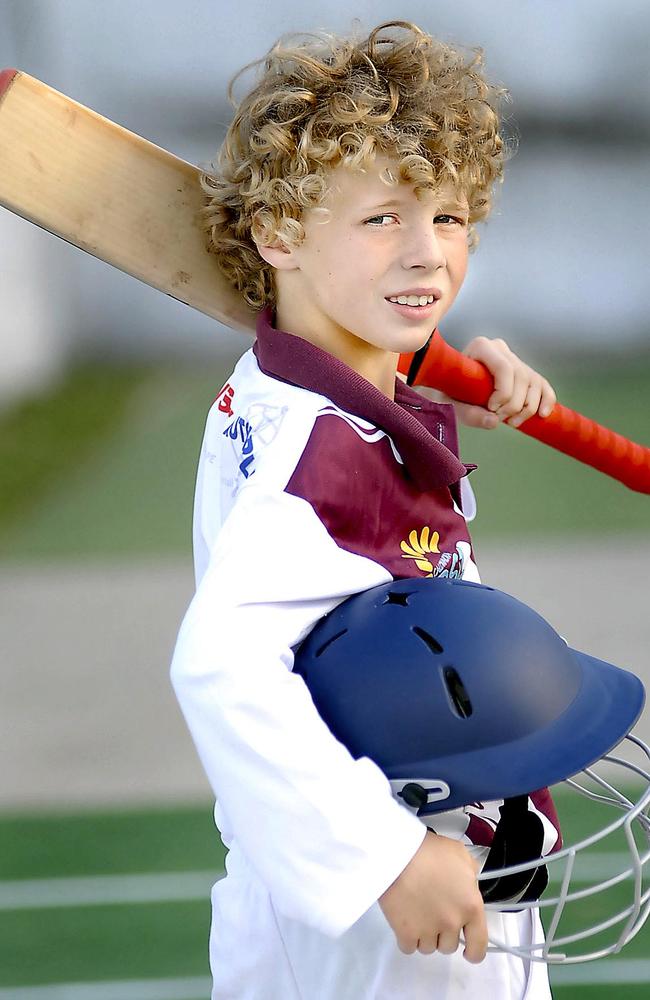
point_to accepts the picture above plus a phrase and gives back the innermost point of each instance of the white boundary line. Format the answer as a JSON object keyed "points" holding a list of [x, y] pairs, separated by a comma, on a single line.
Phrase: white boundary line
{"points": [[190, 988], [617, 971], [169, 887], [594, 866], [102, 890]]}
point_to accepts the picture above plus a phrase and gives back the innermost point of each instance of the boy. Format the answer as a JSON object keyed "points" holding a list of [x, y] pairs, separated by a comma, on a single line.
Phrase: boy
{"points": [[321, 475]]}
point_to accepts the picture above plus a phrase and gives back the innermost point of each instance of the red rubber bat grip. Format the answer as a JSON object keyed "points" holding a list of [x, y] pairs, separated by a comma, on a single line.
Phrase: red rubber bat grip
{"points": [[468, 381]]}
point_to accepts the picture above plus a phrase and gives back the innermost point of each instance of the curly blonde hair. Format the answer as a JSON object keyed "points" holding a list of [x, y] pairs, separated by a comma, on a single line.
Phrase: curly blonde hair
{"points": [[335, 100]]}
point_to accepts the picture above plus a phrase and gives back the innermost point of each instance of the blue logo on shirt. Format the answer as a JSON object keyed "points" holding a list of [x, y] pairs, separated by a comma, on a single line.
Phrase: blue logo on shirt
{"points": [[241, 430]]}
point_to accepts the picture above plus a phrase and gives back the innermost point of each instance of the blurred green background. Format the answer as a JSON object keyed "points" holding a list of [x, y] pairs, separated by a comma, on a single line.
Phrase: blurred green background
{"points": [[104, 464]]}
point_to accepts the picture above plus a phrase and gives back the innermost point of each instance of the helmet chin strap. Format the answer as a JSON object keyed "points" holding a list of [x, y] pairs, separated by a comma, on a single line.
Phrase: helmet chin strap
{"points": [[519, 837]]}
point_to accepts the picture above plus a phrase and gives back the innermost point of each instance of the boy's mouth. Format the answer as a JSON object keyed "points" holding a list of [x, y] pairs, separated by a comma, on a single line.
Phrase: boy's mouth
{"points": [[413, 312], [417, 294]]}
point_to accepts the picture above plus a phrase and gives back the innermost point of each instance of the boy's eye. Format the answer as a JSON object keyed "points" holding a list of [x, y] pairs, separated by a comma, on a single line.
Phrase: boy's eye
{"points": [[443, 219], [448, 218], [375, 217]]}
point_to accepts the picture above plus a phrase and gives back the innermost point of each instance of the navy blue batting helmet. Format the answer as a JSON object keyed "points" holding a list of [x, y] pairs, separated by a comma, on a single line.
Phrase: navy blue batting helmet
{"points": [[463, 695], [465, 686]]}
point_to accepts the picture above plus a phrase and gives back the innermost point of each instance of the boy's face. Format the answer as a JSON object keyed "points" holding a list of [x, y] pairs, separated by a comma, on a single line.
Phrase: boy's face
{"points": [[379, 242]]}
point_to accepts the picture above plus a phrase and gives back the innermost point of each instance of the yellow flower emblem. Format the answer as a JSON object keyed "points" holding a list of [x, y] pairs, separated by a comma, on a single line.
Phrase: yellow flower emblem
{"points": [[418, 548]]}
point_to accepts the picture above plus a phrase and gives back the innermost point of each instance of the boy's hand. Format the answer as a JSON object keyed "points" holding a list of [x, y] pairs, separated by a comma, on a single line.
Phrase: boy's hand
{"points": [[435, 898], [519, 391]]}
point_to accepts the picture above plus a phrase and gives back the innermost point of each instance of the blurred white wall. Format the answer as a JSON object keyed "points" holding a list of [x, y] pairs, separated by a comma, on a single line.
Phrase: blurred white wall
{"points": [[34, 311], [562, 259]]}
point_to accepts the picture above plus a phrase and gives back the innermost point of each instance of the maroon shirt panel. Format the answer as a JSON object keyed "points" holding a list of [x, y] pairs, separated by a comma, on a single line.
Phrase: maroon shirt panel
{"points": [[370, 506]]}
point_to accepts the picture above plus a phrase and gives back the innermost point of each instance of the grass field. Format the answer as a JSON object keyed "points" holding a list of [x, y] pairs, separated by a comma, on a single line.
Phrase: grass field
{"points": [[128, 913]]}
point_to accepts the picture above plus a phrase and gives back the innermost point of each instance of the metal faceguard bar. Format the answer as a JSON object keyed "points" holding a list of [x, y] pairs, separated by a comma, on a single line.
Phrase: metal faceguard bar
{"points": [[634, 915]]}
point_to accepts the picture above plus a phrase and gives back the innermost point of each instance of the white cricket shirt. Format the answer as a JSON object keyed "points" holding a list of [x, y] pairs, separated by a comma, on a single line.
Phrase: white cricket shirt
{"points": [[313, 485]]}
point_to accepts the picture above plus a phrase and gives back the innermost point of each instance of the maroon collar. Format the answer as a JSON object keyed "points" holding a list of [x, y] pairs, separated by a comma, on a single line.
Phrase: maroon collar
{"points": [[417, 425]]}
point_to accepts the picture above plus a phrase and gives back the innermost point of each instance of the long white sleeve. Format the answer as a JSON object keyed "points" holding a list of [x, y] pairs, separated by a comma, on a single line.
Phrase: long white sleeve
{"points": [[321, 829]]}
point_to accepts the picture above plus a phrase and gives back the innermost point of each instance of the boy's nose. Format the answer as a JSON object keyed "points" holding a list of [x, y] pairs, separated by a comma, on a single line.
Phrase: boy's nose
{"points": [[425, 250]]}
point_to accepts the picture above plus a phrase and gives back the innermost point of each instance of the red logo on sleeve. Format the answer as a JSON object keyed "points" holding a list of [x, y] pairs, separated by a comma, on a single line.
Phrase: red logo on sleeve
{"points": [[225, 397]]}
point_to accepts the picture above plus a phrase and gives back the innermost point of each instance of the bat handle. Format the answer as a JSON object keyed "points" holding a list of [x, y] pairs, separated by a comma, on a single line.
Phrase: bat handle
{"points": [[469, 381]]}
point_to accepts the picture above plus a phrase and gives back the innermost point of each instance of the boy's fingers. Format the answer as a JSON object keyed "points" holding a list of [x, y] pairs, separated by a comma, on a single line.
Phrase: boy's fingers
{"points": [[427, 945], [522, 387], [476, 416], [476, 938], [548, 401], [540, 399], [448, 942], [497, 358], [406, 942], [529, 406]]}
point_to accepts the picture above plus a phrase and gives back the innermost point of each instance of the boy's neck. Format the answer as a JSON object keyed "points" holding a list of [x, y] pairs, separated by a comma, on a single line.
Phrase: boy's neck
{"points": [[377, 366]]}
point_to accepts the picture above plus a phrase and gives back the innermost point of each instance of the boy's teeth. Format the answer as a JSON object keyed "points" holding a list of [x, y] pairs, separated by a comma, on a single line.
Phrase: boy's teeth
{"points": [[413, 300]]}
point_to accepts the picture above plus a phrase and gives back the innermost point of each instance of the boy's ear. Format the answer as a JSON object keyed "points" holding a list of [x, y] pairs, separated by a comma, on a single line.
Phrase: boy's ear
{"points": [[277, 255]]}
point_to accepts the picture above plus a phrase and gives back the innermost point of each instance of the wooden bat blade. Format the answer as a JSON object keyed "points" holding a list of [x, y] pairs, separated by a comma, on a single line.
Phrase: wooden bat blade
{"points": [[111, 193]]}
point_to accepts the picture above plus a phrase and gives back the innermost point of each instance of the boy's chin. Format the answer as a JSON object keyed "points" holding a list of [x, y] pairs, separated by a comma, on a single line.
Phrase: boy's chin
{"points": [[415, 342]]}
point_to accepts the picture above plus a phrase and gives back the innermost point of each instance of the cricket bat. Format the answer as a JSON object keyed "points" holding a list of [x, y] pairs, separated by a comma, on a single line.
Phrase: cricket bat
{"points": [[136, 206]]}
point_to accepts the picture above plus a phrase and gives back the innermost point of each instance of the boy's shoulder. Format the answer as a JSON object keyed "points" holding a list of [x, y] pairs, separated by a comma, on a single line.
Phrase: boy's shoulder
{"points": [[265, 424]]}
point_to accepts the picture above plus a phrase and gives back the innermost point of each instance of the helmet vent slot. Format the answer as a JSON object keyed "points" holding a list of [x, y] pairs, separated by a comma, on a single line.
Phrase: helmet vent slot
{"points": [[457, 693], [400, 597], [329, 642], [427, 639]]}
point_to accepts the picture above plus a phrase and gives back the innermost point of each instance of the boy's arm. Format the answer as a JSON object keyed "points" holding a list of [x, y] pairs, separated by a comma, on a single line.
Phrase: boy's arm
{"points": [[320, 828]]}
